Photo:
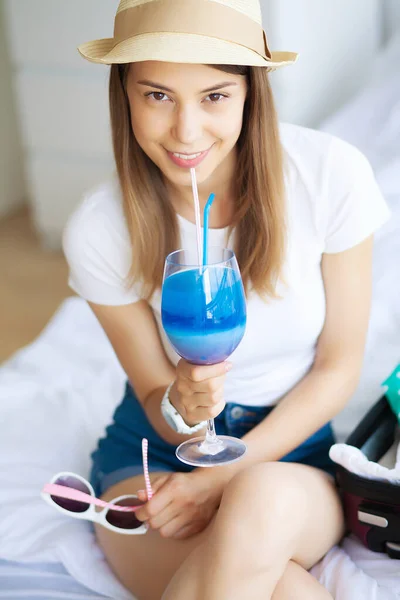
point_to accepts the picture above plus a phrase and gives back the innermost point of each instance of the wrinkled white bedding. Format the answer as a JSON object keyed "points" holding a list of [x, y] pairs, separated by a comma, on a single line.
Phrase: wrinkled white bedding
{"points": [[40, 581], [57, 395]]}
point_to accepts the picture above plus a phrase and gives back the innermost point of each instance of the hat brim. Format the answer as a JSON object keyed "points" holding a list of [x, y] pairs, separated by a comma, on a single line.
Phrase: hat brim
{"points": [[180, 48]]}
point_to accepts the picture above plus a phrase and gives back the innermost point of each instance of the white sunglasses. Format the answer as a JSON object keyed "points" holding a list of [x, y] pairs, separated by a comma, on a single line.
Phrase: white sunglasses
{"points": [[72, 495]]}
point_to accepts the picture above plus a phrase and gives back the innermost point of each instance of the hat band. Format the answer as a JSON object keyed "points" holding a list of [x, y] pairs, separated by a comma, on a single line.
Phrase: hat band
{"points": [[201, 17]]}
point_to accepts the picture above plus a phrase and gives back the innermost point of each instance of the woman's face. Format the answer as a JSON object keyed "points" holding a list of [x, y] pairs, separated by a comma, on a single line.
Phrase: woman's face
{"points": [[186, 116]]}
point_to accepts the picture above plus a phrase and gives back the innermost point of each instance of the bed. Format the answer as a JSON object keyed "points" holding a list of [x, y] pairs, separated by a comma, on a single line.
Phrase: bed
{"points": [[58, 394], [43, 581]]}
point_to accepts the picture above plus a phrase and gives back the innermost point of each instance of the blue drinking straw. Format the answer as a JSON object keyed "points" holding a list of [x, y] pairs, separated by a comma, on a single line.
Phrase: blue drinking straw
{"points": [[205, 228]]}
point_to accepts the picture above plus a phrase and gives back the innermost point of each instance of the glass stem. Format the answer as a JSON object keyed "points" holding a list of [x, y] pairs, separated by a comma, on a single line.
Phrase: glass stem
{"points": [[211, 444], [211, 436]]}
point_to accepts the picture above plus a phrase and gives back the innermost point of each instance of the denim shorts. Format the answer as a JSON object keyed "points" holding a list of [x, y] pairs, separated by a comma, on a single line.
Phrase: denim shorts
{"points": [[119, 454]]}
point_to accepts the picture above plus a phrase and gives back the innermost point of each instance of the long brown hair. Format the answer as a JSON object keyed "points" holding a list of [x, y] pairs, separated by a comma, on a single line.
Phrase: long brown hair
{"points": [[259, 216]]}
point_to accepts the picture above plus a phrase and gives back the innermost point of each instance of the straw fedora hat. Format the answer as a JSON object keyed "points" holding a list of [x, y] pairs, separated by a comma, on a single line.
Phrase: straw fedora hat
{"points": [[188, 31]]}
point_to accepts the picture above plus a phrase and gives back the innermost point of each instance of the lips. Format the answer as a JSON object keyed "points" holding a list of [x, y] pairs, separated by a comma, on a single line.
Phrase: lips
{"points": [[188, 161]]}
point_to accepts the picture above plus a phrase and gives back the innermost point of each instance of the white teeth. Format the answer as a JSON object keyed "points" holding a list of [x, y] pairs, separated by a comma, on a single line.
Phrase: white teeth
{"points": [[187, 156]]}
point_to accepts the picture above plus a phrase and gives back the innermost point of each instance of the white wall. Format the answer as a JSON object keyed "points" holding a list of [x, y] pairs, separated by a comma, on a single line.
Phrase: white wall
{"points": [[336, 42], [12, 185], [62, 99], [61, 103]]}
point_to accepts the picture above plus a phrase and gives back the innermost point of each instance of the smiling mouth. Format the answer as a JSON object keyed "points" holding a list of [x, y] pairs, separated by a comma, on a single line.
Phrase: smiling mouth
{"points": [[188, 157]]}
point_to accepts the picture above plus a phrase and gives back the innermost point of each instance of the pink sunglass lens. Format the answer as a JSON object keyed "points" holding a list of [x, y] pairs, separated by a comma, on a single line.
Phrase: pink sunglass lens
{"points": [[124, 520], [74, 506]]}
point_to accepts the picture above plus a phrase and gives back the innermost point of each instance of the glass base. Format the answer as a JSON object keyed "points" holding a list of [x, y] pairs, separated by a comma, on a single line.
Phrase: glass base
{"points": [[199, 453]]}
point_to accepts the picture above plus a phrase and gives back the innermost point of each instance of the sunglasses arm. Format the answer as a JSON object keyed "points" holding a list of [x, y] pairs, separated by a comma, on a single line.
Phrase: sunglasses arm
{"points": [[62, 491]]}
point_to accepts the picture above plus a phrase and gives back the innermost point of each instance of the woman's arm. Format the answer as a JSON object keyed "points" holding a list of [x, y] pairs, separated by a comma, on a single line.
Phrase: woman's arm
{"points": [[133, 333], [334, 376]]}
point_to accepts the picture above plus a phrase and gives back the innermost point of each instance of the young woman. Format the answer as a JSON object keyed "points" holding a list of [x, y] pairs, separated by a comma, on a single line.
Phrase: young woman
{"points": [[189, 87]]}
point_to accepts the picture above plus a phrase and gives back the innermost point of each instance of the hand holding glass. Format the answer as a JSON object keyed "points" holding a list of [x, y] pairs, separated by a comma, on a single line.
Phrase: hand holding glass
{"points": [[204, 316]]}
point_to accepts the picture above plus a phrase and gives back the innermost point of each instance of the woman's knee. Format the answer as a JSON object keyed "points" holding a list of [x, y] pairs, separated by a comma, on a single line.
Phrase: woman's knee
{"points": [[294, 509], [257, 508], [268, 487], [278, 506]]}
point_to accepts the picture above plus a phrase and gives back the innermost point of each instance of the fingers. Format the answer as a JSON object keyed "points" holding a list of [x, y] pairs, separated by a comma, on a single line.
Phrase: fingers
{"points": [[159, 510], [205, 382], [180, 508], [205, 413], [180, 529], [172, 521], [143, 513], [198, 391], [210, 391], [158, 517], [161, 520], [201, 373], [156, 484], [166, 503]]}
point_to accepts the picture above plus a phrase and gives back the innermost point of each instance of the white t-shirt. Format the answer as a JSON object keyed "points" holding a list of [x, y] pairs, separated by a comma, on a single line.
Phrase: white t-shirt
{"points": [[333, 203]]}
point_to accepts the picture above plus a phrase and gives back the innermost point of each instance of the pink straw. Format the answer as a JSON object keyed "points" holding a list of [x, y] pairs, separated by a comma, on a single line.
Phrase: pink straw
{"points": [[145, 446]]}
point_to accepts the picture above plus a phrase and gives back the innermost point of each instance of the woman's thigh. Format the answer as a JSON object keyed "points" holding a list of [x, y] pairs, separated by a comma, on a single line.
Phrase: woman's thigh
{"points": [[324, 523], [143, 563], [298, 504]]}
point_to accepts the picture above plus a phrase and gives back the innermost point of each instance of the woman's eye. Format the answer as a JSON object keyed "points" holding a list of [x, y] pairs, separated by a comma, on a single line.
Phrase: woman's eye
{"points": [[157, 96], [215, 98]]}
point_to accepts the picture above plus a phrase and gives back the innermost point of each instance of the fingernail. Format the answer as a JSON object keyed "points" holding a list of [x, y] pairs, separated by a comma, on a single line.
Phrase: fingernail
{"points": [[228, 366]]}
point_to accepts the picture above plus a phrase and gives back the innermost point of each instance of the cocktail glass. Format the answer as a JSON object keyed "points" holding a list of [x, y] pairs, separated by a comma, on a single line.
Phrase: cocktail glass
{"points": [[203, 312]]}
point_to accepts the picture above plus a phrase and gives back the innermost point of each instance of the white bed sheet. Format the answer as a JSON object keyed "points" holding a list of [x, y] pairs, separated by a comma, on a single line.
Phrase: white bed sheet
{"points": [[57, 396], [40, 581]]}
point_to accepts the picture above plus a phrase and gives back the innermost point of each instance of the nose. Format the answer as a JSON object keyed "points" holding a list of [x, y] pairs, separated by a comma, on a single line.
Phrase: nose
{"points": [[188, 126]]}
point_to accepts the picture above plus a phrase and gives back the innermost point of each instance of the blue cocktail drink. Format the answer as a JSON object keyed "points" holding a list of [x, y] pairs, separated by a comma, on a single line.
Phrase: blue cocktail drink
{"points": [[204, 313]]}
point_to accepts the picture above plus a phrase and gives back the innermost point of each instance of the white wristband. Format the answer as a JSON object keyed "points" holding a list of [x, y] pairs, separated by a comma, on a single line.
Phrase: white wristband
{"points": [[174, 419]]}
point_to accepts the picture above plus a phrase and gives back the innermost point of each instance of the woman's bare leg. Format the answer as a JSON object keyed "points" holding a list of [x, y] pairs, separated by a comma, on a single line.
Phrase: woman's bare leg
{"points": [[252, 507], [297, 584], [269, 515], [143, 563]]}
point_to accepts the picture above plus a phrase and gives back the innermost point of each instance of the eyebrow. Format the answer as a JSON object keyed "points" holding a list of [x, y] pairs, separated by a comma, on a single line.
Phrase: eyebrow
{"points": [[153, 84]]}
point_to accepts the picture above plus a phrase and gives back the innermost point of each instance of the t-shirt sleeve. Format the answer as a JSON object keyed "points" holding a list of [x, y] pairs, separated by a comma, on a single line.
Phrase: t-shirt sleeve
{"points": [[98, 258], [355, 207]]}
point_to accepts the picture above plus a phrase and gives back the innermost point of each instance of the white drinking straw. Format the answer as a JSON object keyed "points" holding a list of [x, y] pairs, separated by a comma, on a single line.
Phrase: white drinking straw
{"points": [[197, 215]]}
